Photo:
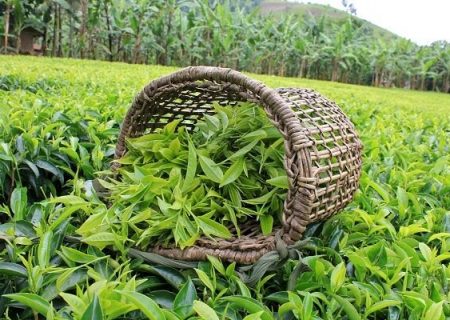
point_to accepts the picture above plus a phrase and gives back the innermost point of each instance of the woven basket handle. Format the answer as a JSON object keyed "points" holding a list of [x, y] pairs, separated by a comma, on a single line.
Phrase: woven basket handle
{"points": [[272, 102]]}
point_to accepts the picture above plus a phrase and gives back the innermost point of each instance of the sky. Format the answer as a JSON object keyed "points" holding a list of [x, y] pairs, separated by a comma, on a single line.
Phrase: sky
{"points": [[422, 21]]}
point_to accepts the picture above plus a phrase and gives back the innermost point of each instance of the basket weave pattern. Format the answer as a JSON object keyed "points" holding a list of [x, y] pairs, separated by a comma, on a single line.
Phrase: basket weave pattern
{"points": [[322, 149]]}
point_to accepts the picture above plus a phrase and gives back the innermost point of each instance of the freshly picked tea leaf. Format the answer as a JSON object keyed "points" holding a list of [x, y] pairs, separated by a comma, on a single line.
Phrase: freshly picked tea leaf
{"points": [[181, 185]]}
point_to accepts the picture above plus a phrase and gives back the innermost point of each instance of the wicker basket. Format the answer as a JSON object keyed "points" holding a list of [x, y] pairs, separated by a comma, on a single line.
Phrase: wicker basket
{"points": [[322, 149]]}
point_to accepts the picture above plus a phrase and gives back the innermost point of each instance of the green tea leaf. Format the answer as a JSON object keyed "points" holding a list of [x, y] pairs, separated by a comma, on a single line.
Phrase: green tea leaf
{"points": [[279, 182], [249, 304], [100, 240], [73, 301], [191, 168], [255, 135], [94, 310], [349, 309], [77, 256], [243, 151], [144, 304], [261, 200], [69, 279], [47, 166], [206, 280], [13, 269], [402, 198], [174, 277], [184, 300], [163, 298], [254, 316], [308, 306], [204, 311], [44, 249], [381, 305], [266, 223], [33, 167], [233, 172], [170, 315], [18, 203], [435, 311], [211, 169], [217, 264], [213, 122], [213, 228], [31, 300], [337, 277]]}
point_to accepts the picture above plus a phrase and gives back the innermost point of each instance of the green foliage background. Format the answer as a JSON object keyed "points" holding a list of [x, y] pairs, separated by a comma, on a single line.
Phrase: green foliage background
{"points": [[385, 256], [324, 45]]}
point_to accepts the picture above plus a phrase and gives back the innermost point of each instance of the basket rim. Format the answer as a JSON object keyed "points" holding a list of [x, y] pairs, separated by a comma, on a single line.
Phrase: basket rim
{"points": [[269, 98]]}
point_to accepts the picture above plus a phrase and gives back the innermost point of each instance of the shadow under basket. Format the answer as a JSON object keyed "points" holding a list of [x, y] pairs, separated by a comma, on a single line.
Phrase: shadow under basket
{"points": [[322, 150]]}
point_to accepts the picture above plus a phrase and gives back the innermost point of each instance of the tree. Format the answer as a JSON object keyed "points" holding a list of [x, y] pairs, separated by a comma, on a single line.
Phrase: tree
{"points": [[84, 9], [9, 6], [227, 33]]}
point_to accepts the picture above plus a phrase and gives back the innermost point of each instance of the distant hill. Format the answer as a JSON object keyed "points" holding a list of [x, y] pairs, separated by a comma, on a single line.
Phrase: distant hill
{"points": [[281, 7]]}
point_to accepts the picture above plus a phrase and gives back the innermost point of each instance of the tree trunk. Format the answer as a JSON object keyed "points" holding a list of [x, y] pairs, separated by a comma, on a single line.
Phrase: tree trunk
{"points": [[137, 47], [44, 42], [168, 30], [18, 31], [119, 41], [18, 42], [334, 73], [344, 77], [380, 76], [147, 56], [447, 83], [83, 26], [46, 19], [91, 47], [70, 36], [5, 40], [55, 29], [108, 24], [302, 68], [59, 53]]}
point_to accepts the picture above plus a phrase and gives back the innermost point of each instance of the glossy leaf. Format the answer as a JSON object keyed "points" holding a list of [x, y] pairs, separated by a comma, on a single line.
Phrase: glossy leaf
{"points": [[94, 310], [31, 300], [211, 169], [18, 203], [184, 300], [204, 311], [143, 303]]}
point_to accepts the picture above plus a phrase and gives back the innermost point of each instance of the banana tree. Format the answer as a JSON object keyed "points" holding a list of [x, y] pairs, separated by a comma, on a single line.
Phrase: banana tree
{"points": [[340, 48], [425, 61], [445, 74], [6, 17], [12, 7]]}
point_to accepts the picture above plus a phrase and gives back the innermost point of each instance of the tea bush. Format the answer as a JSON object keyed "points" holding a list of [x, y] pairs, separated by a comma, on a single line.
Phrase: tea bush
{"points": [[386, 256]]}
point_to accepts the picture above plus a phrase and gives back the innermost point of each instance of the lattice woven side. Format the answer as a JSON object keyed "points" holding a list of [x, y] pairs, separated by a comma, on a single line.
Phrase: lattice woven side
{"points": [[334, 151]]}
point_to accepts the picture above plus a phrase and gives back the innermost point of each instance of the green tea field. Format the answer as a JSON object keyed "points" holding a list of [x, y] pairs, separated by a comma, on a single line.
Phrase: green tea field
{"points": [[65, 254]]}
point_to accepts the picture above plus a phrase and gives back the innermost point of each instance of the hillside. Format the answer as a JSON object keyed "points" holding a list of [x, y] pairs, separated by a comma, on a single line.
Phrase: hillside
{"points": [[318, 10]]}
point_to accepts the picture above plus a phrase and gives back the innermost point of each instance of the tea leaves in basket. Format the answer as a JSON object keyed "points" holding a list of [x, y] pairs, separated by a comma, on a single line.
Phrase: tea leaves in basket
{"points": [[201, 183]]}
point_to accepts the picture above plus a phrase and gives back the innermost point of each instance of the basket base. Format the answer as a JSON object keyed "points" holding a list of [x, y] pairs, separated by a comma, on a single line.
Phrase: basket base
{"points": [[242, 250]]}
